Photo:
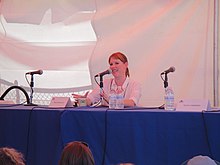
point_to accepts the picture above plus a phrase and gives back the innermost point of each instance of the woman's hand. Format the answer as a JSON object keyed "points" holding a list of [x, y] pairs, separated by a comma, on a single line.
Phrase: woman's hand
{"points": [[76, 96]]}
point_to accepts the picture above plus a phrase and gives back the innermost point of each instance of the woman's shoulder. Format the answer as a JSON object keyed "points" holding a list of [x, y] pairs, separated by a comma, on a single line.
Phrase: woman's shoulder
{"points": [[133, 81]]}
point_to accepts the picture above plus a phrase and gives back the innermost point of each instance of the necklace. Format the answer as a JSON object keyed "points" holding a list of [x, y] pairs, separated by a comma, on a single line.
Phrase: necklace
{"points": [[117, 88]]}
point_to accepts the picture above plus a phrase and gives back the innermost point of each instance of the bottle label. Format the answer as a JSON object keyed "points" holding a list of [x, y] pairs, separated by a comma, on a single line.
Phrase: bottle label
{"points": [[169, 102], [119, 102], [112, 101]]}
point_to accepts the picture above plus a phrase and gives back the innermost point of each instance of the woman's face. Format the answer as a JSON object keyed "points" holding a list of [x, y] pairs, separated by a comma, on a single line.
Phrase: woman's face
{"points": [[118, 67]]}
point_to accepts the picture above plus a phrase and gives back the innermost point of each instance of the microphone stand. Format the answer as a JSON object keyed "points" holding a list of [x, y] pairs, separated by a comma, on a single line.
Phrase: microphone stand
{"points": [[165, 81], [99, 103], [32, 91], [101, 87]]}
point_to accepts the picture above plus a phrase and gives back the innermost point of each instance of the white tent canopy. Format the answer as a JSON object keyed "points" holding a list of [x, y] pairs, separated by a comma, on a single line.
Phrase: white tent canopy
{"points": [[71, 41]]}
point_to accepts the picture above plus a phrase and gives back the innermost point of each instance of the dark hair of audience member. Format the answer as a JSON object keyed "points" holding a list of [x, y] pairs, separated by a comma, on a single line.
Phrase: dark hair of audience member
{"points": [[76, 153]]}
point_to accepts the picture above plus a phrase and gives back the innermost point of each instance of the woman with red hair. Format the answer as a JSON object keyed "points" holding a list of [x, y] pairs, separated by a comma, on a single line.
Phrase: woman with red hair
{"points": [[121, 81]]}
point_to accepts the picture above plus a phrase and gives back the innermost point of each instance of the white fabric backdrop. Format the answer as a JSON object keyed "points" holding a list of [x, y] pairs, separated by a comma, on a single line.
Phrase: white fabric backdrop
{"points": [[71, 42], [55, 36], [156, 35]]}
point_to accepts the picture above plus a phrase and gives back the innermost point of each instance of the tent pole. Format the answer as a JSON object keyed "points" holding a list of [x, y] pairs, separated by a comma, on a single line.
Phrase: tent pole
{"points": [[215, 53]]}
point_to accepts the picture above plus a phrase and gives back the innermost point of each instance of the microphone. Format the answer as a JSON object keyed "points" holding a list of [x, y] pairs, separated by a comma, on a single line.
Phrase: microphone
{"points": [[35, 72], [171, 69], [108, 71]]}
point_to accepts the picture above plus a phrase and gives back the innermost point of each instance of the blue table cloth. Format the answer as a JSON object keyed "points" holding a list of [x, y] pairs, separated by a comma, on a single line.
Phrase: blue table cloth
{"points": [[135, 135]]}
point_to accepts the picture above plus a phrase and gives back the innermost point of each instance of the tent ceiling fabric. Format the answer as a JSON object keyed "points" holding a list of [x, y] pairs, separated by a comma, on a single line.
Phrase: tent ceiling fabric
{"points": [[32, 11]]}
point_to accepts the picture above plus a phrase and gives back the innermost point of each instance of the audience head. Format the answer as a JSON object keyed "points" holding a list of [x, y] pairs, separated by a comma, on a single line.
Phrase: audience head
{"points": [[10, 156], [76, 153], [201, 160]]}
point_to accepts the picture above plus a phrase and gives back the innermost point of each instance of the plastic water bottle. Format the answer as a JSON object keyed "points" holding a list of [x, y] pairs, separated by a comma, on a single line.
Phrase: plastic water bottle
{"points": [[169, 99], [112, 99], [119, 101]]}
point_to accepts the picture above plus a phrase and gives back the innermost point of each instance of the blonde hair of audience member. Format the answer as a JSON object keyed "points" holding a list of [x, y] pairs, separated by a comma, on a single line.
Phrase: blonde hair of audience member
{"points": [[76, 153], [10, 156]]}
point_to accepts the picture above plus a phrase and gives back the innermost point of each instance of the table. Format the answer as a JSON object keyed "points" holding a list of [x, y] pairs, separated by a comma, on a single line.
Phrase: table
{"points": [[137, 135], [34, 132]]}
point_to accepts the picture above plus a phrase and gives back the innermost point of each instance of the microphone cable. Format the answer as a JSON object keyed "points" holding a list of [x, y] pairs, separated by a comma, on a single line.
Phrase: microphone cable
{"points": [[206, 132], [29, 127], [102, 91], [105, 137], [28, 135]]}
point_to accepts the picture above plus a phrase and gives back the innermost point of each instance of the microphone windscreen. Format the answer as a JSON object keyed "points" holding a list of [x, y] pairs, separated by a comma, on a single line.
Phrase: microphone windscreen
{"points": [[172, 69]]}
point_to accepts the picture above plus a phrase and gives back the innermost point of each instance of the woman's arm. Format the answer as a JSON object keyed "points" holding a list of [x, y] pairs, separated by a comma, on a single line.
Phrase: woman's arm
{"points": [[129, 102], [134, 94], [77, 96]]}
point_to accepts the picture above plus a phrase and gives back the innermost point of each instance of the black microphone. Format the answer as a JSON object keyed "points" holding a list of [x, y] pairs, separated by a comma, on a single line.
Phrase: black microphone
{"points": [[171, 69], [108, 71], [35, 72]]}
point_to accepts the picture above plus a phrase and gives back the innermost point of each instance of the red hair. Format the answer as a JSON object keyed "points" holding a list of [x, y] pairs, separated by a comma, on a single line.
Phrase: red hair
{"points": [[122, 58]]}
